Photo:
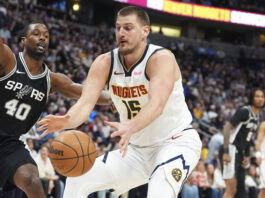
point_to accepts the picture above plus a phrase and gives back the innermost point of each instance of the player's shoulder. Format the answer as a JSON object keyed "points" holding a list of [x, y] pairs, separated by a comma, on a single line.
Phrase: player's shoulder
{"points": [[161, 54], [159, 51], [104, 58], [244, 108], [244, 111]]}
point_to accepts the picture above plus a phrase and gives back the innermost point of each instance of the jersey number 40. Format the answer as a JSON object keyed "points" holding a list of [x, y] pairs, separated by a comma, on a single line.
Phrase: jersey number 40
{"points": [[19, 111]]}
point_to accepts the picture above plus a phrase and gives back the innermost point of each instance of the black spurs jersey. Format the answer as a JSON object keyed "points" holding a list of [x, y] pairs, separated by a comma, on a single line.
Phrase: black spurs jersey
{"points": [[246, 125], [23, 98]]}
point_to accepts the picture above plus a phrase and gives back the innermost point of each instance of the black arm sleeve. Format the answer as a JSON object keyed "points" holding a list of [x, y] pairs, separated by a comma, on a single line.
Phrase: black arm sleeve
{"points": [[241, 115]]}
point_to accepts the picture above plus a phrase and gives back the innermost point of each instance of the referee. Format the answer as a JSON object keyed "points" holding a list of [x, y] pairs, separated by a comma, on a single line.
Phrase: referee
{"points": [[238, 133]]}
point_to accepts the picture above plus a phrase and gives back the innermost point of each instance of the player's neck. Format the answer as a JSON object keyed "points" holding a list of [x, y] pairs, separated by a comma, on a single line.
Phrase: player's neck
{"points": [[255, 110], [131, 59], [34, 66]]}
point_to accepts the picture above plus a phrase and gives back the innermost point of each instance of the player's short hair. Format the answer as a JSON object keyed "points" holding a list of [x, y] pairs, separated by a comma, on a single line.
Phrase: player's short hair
{"points": [[252, 94], [24, 31], [139, 12]]}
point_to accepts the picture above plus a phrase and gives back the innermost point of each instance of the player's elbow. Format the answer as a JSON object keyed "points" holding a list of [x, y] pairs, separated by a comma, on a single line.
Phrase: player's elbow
{"points": [[159, 107], [160, 110]]}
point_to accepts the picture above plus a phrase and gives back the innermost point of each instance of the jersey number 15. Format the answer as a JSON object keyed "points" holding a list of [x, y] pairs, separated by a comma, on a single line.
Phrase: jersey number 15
{"points": [[133, 107]]}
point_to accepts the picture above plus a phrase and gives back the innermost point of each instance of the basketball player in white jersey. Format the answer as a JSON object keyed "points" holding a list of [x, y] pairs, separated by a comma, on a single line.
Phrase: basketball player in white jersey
{"points": [[260, 155], [158, 145]]}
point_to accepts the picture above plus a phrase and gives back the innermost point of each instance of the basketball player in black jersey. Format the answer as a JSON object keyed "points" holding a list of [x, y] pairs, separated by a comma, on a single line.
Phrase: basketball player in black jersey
{"points": [[25, 83], [238, 133]]}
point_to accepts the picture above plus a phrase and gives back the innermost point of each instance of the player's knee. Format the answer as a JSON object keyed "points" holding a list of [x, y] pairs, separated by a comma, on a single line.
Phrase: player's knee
{"points": [[32, 180], [27, 177]]}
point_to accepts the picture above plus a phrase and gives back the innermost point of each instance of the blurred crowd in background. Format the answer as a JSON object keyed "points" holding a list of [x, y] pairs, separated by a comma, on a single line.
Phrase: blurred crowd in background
{"points": [[255, 6], [215, 85]]}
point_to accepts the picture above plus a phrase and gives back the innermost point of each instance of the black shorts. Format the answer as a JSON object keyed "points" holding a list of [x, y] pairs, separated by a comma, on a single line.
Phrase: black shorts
{"points": [[13, 154]]}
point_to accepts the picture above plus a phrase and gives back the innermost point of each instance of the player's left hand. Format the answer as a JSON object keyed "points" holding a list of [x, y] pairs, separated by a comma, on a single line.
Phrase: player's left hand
{"points": [[52, 123], [124, 132], [245, 162]]}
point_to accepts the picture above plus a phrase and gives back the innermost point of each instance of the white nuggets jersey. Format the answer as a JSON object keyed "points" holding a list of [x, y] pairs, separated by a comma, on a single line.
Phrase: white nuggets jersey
{"points": [[129, 92]]}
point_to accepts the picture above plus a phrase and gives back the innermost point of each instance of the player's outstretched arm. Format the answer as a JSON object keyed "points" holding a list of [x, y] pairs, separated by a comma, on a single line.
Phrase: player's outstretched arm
{"points": [[62, 84], [163, 71], [261, 136], [7, 59], [79, 113], [226, 132]]}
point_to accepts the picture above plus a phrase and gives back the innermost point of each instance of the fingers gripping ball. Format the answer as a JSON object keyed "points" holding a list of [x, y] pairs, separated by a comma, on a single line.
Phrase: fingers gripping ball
{"points": [[72, 153]]}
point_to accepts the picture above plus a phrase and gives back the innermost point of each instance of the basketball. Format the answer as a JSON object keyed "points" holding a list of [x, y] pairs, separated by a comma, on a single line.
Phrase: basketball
{"points": [[72, 153]]}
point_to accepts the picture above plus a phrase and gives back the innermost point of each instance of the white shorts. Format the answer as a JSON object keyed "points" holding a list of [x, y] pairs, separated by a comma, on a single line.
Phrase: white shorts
{"points": [[230, 168], [262, 173], [172, 161]]}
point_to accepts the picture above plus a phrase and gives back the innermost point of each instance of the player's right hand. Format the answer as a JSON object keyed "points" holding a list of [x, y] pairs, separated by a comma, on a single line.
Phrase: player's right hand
{"points": [[52, 123], [226, 158]]}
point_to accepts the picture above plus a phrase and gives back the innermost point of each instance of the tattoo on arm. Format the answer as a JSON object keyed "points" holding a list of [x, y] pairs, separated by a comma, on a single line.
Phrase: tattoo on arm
{"points": [[226, 132]]}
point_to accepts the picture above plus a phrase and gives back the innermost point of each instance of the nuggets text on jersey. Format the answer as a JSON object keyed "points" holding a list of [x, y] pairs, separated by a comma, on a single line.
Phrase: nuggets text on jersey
{"points": [[129, 92]]}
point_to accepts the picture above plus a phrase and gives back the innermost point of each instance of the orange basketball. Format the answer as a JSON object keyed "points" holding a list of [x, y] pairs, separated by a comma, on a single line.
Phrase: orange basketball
{"points": [[72, 153]]}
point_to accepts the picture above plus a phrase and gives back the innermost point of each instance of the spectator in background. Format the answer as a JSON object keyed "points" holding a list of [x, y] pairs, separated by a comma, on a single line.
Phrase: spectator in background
{"points": [[211, 178], [198, 111], [62, 111], [47, 174], [252, 182], [200, 178], [219, 183], [5, 34], [190, 189], [113, 142], [98, 135], [3, 12], [32, 151], [204, 152], [216, 141]]}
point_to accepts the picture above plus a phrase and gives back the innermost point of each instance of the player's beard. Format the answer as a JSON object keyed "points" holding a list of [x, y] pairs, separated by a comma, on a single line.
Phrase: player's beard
{"points": [[258, 106], [127, 50], [36, 54]]}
